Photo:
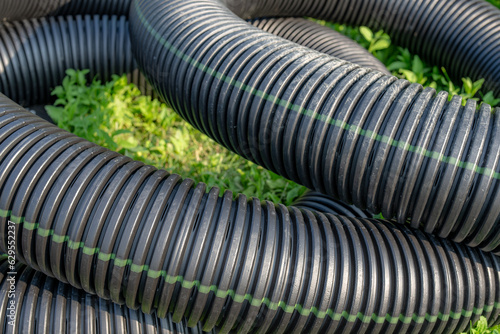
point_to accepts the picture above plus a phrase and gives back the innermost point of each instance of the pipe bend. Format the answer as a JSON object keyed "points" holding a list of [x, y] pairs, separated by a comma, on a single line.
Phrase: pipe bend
{"points": [[344, 130]]}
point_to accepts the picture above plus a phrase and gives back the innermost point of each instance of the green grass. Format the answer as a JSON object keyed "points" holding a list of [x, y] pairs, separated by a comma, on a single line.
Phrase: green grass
{"points": [[116, 116]]}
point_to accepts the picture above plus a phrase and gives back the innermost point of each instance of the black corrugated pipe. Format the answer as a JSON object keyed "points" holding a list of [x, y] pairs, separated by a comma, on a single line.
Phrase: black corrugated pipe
{"points": [[21, 9], [34, 54], [352, 133], [461, 35], [136, 235], [41, 304], [315, 201], [320, 38]]}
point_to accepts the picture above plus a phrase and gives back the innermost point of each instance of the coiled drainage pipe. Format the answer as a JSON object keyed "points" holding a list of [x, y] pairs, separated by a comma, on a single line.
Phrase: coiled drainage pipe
{"points": [[135, 235], [44, 305], [352, 133], [320, 38], [35, 53], [21, 9], [138, 236]]}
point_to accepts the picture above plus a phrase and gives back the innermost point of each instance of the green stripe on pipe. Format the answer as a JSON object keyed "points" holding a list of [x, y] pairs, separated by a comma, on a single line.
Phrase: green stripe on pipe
{"points": [[241, 298], [310, 113]]}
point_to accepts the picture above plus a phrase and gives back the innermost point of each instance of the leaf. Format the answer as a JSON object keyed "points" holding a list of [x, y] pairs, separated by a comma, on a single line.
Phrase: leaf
{"points": [[467, 85], [106, 140], [397, 65], [58, 91], [121, 131], [66, 83], [445, 74], [81, 78], [56, 113], [366, 33], [60, 102], [380, 44], [409, 75], [70, 72], [476, 86], [480, 327], [293, 193], [490, 99], [417, 65], [128, 143]]}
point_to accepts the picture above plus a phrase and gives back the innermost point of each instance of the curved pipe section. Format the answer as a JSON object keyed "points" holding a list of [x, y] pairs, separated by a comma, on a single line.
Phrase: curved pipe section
{"points": [[461, 35], [21, 9], [137, 236], [314, 201], [44, 305], [323, 39], [350, 132], [34, 54]]}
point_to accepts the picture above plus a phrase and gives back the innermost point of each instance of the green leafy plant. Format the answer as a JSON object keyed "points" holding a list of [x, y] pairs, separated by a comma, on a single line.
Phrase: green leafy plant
{"points": [[115, 115], [402, 63], [377, 41], [470, 89], [489, 98], [481, 327]]}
